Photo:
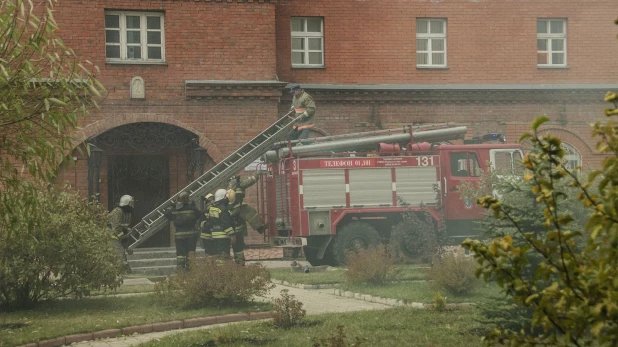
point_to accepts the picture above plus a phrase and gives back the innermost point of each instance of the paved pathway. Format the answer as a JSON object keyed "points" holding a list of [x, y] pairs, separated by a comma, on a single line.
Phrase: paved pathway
{"points": [[314, 301]]}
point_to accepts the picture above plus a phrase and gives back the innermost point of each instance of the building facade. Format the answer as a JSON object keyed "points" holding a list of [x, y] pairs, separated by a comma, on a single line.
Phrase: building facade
{"points": [[188, 82]]}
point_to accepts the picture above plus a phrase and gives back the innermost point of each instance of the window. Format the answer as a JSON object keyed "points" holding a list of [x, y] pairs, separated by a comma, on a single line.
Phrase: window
{"points": [[307, 42], [507, 161], [465, 165], [431, 43], [551, 42], [572, 158], [134, 37]]}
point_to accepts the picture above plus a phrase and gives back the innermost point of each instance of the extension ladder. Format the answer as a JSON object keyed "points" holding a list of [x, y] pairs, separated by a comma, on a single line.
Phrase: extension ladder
{"points": [[215, 177]]}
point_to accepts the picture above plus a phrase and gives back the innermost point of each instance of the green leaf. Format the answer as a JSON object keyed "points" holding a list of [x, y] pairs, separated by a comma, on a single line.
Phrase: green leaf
{"points": [[538, 122]]}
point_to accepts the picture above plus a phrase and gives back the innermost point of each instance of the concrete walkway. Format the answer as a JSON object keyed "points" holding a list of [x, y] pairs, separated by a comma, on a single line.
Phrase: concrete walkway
{"points": [[314, 302]]}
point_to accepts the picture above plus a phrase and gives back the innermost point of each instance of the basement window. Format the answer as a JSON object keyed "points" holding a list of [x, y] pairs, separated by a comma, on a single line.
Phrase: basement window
{"points": [[134, 37]]}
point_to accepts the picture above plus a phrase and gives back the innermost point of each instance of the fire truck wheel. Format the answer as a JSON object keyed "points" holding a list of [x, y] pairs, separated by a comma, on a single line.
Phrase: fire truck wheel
{"points": [[352, 236]]}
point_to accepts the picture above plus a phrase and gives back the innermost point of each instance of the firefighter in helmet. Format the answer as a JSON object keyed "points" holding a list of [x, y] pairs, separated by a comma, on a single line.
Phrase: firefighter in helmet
{"points": [[217, 226], [207, 241], [119, 221], [242, 213], [304, 106], [184, 215]]}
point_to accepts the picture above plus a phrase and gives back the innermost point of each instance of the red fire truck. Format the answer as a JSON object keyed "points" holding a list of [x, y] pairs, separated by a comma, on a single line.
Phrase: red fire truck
{"points": [[347, 191]]}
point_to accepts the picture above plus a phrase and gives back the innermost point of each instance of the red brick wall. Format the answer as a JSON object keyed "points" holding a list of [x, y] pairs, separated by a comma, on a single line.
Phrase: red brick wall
{"points": [[488, 41], [366, 42]]}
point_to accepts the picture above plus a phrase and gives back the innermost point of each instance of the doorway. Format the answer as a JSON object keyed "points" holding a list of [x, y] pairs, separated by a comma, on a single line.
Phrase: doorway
{"points": [[146, 178]]}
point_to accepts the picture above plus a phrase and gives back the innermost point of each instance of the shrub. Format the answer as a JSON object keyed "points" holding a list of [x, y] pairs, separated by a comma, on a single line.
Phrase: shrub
{"points": [[454, 273], [572, 289], [338, 340], [210, 282], [439, 302], [374, 265], [70, 252], [288, 311]]}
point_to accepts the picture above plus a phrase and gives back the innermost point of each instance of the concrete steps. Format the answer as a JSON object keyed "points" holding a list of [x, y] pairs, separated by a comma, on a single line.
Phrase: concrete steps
{"points": [[162, 261]]}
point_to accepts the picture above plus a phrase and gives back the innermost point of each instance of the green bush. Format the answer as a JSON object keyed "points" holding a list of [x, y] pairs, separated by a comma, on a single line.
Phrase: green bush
{"points": [[374, 265], [288, 311], [69, 253], [455, 273], [209, 283], [565, 274], [439, 302]]}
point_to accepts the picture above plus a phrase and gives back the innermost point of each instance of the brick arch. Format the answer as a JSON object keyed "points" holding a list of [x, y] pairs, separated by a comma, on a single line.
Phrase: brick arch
{"points": [[108, 123], [568, 137]]}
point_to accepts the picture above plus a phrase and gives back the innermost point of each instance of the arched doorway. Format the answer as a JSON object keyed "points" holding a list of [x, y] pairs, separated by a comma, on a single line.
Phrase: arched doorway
{"points": [[149, 161]]}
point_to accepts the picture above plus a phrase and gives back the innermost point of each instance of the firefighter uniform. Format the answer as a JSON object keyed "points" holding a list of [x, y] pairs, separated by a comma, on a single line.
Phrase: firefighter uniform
{"points": [[119, 221], [217, 226], [242, 214], [184, 216], [302, 104]]}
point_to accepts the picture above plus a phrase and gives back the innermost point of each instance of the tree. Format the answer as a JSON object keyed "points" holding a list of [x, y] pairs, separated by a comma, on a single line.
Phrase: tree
{"points": [[44, 89], [566, 273]]}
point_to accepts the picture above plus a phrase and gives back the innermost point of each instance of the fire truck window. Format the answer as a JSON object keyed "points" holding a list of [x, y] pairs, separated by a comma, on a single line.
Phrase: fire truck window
{"points": [[518, 166], [473, 165], [459, 165], [503, 163]]}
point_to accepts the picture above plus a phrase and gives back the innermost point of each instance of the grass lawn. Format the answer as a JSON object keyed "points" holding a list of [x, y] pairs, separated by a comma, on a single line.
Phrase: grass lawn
{"points": [[392, 327], [421, 292], [407, 273], [66, 317]]}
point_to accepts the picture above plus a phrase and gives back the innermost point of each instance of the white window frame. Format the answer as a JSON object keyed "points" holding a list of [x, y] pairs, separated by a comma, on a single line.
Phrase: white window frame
{"points": [[306, 36], [429, 36], [143, 37], [549, 37], [572, 157]]}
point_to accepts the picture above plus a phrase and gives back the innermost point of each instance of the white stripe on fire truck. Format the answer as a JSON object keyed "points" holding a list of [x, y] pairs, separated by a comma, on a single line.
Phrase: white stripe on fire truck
{"points": [[347, 187], [300, 189], [394, 186]]}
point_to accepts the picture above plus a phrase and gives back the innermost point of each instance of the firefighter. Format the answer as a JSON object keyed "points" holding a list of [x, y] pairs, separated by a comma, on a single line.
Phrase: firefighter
{"points": [[207, 241], [242, 213], [184, 215], [218, 226], [119, 221], [304, 106]]}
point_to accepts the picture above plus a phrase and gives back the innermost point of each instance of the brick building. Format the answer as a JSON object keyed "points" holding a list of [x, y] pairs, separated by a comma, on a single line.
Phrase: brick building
{"points": [[184, 75]]}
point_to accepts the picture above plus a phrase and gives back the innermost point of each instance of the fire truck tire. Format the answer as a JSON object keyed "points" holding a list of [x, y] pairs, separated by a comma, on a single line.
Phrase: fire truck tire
{"points": [[351, 236]]}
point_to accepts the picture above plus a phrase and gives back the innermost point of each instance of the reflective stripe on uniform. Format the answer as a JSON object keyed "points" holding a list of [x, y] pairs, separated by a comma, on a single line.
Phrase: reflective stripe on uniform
{"points": [[205, 236]]}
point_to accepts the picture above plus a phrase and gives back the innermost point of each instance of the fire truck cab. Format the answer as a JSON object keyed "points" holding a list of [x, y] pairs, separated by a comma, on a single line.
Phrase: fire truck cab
{"points": [[329, 202]]}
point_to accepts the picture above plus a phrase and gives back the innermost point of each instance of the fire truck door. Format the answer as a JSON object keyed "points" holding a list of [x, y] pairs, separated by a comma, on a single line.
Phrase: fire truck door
{"points": [[460, 166]]}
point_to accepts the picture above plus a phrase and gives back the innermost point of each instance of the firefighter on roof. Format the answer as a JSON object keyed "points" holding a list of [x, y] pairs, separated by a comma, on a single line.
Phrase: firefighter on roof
{"points": [[119, 221], [217, 226], [184, 215], [304, 106], [242, 213]]}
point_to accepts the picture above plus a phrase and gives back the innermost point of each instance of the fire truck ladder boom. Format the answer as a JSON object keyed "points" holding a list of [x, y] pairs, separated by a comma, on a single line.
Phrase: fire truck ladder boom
{"points": [[213, 178]]}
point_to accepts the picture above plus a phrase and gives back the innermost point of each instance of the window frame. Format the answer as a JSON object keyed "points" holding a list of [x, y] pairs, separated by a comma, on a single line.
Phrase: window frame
{"points": [[549, 37], [306, 35], [143, 37], [429, 36]]}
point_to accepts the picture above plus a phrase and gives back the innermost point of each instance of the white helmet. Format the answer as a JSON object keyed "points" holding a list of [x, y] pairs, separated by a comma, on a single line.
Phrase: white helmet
{"points": [[126, 200], [220, 194]]}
